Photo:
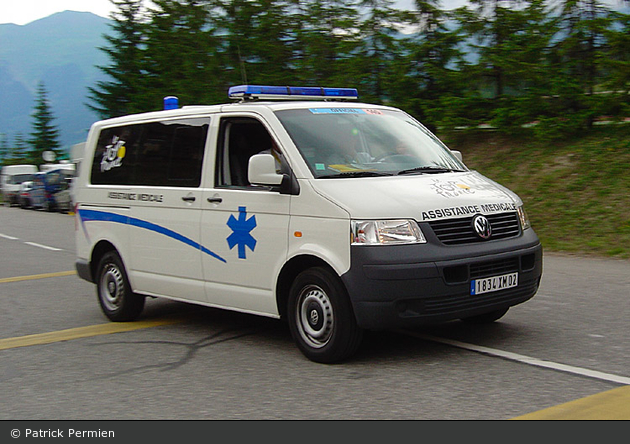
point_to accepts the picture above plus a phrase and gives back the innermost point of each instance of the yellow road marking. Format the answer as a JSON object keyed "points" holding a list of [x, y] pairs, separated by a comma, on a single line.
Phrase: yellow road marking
{"points": [[83, 332], [37, 276], [611, 405]]}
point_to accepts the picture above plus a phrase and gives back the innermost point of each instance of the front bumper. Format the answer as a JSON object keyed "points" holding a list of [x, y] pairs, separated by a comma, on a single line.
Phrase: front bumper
{"points": [[411, 285]]}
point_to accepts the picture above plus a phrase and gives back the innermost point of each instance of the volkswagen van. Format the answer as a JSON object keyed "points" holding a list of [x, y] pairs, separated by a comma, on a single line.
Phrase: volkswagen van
{"points": [[301, 204]]}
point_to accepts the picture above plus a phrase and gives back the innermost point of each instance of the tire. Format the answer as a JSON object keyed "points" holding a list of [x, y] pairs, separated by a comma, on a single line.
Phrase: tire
{"points": [[321, 318], [115, 297], [486, 318]]}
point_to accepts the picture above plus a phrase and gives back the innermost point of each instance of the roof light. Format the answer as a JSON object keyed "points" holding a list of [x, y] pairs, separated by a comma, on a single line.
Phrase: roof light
{"points": [[171, 102], [251, 92]]}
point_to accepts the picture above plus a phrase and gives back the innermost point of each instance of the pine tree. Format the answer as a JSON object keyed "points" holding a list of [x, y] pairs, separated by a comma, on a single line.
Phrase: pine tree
{"points": [[616, 61], [5, 152], [326, 34], [257, 41], [434, 65], [180, 55], [21, 152], [379, 47], [120, 95], [45, 134], [524, 57], [578, 64]]}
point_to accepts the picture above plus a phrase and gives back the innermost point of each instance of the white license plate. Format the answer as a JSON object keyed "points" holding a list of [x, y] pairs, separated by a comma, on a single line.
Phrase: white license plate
{"points": [[494, 283]]}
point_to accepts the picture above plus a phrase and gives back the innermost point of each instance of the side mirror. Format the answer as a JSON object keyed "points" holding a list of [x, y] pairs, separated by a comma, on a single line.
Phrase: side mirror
{"points": [[458, 154], [261, 170]]}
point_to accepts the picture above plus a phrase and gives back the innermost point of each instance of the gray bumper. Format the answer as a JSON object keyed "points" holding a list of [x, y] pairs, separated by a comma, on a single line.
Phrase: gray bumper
{"points": [[411, 285], [83, 270]]}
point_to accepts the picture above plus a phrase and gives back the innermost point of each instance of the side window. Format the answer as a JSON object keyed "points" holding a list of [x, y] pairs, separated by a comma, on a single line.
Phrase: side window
{"points": [[114, 156], [167, 153], [239, 139]]}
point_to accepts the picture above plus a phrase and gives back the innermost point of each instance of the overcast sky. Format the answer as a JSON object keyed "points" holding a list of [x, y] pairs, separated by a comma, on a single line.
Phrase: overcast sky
{"points": [[22, 12]]}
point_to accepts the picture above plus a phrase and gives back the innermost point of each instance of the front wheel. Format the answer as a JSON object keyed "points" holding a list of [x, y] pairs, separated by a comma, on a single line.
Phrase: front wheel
{"points": [[115, 297], [321, 318]]}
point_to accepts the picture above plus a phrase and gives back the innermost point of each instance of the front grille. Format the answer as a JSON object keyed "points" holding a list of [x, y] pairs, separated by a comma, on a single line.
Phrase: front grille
{"points": [[460, 231], [493, 268], [462, 273]]}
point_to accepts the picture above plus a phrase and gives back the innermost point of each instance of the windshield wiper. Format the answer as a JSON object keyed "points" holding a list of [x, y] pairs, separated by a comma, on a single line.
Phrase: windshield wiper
{"points": [[354, 174], [429, 169]]}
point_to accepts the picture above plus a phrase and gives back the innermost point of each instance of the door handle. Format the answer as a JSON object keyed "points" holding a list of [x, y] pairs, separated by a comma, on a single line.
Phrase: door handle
{"points": [[188, 198], [215, 200]]}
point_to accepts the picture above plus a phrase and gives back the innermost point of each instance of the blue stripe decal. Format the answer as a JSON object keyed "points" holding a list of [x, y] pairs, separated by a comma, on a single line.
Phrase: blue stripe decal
{"points": [[89, 215]]}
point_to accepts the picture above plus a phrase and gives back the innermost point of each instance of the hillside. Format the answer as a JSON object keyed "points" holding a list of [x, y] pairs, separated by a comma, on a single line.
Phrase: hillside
{"points": [[60, 50], [575, 191]]}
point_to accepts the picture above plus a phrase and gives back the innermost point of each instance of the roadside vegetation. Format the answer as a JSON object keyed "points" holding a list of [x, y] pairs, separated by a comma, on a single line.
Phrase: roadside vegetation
{"points": [[576, 191]]}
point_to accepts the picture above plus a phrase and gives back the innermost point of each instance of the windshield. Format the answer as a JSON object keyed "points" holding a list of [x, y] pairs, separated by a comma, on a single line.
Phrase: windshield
{"points": [[19, 178], [351, 142]]}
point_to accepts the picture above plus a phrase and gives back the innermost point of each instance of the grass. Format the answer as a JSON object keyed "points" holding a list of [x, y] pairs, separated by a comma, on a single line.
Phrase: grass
{"points": [[576, 192]]}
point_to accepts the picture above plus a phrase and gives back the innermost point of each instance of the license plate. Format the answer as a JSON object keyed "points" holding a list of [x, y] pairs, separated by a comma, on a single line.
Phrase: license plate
{"points": [[494, 283]]}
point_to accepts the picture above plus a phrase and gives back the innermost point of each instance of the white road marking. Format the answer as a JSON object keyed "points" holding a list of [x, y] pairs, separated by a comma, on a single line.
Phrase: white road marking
{"points": [[8, 237], [46, 247], [524, 359]]}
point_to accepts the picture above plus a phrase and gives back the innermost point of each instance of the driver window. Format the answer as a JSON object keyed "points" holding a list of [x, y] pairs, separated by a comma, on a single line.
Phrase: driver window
{"points": [[239, 139]]}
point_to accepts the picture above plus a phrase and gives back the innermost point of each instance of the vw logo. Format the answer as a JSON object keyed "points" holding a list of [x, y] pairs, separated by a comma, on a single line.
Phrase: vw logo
{"points": [[482, 227], [314, 317]]}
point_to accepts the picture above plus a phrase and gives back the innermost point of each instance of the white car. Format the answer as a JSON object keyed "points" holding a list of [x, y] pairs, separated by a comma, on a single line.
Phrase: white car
{"points": [[24, 197], [64, 202]]}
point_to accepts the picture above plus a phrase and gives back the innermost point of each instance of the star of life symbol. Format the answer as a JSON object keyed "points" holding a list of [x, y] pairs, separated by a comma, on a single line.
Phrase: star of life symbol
{"points": [[241, 229]]}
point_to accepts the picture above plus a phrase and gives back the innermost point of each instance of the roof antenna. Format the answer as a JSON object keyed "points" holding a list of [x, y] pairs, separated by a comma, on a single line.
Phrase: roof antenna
{"points": [[243, 71]]}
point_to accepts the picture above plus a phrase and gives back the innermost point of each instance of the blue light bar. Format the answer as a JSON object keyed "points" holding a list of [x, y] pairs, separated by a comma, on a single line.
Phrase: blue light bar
{"points": [[291, 92]]}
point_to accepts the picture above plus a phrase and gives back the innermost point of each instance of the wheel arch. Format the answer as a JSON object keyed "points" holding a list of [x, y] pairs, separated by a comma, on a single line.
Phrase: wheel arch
{"points": [[101, 247], [288, 274]]}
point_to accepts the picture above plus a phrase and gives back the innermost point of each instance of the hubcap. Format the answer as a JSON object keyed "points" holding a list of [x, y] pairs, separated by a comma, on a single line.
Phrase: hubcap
{"points": [[314, 316], [112, 289]]}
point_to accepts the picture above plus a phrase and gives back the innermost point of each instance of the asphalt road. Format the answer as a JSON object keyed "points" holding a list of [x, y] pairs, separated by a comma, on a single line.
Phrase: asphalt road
{"points": [[564, 354]]}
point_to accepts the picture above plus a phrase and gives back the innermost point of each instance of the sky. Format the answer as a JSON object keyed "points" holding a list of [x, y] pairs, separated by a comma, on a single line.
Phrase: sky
{"points": [[21, 12]]}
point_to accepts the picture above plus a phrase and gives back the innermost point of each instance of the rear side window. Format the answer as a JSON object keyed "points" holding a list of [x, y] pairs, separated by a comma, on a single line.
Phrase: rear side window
{"points": [[167, 153]]}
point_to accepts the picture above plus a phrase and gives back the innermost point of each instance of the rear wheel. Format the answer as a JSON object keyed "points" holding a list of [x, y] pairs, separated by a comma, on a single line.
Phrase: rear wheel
{"points": [[117, 300], [321, 318]]}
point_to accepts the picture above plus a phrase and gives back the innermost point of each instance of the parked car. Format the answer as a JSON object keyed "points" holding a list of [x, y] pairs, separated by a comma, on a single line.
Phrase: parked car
{"points": [[24, 196], [63, 198], [11, 177], [47, 185], [38, 191]]}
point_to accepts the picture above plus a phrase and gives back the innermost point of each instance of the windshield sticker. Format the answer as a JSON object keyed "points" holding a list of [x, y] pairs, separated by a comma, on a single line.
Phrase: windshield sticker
{"points": [[468, 210], [113, 155], [336, 111], [241, 229], [374, 112]]}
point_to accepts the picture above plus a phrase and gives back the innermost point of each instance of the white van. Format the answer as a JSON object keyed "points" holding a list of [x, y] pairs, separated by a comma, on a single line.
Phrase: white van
{"points": [[334, 215], [11, 178]]}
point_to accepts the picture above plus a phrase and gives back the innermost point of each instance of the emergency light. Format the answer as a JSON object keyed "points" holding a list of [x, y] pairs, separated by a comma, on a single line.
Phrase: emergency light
{"points": [[253, 92]]}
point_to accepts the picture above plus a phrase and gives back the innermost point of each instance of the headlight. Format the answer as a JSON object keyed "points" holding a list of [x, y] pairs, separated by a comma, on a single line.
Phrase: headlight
{"points": [[386, 232], [522, 216]]}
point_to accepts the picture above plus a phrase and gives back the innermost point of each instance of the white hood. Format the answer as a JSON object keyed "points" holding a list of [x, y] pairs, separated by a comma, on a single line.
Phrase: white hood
{"points": [[421, 197]]}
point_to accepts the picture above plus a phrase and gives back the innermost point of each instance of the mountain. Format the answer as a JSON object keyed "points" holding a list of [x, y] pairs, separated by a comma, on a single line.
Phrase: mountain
{"points": [[62, 51]]}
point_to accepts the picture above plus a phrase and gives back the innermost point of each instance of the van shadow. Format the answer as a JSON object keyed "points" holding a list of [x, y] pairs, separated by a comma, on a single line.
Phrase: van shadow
{"points": [[384, 345]]}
